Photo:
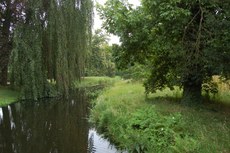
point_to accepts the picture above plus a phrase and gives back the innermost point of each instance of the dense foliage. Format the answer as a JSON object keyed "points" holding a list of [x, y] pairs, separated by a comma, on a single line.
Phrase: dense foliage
{"points": [[50, 46], [10, 14], [137, 72], [186, 42], [99, 60]]}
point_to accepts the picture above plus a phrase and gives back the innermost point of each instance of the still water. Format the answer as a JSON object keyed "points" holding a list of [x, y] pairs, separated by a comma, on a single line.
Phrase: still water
{"points": [[50, 126]]}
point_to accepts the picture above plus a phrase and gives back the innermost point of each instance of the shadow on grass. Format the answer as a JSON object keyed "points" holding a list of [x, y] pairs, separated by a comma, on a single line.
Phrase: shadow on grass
{"points": [[173, 104]]}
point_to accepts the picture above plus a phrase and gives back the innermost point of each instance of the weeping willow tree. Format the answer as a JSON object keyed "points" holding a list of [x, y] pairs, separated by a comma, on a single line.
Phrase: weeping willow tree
{"points": [[50, 46]]}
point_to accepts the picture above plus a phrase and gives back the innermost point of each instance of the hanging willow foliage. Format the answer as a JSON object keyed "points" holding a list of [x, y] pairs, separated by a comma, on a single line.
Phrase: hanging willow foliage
{"points": [[51, 44]]}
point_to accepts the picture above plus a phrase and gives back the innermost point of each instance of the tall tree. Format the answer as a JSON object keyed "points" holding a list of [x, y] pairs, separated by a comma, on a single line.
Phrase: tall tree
{"points": [[50, 46], [185, 41], [99, 60], [10, 14]]}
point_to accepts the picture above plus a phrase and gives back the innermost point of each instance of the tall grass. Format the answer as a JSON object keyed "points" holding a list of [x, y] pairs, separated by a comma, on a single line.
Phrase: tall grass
{"points": [[223, 86], [8, 96], [151, 124], [122, 98]]}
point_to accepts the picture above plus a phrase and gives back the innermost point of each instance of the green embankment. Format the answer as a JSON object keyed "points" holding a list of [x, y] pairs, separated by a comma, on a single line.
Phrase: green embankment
{"points": [[7, 96], [140, 123], [95, 81]]}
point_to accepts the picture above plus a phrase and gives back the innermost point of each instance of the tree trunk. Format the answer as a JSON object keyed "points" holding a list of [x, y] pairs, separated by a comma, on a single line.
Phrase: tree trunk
{"points": [[192, 93]]}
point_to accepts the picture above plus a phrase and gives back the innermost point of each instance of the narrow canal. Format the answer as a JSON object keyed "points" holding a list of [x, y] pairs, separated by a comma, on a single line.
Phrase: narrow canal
{"points": [[50, 126]]}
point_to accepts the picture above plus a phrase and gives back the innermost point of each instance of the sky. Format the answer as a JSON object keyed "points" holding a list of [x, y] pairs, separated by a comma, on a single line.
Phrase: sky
{"points": [[98, 22]]}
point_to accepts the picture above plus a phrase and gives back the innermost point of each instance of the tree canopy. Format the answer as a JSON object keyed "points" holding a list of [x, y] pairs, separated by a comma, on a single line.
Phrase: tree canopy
{"points": [[10, 14], [50, 46], [185, 41], [99, 60]]}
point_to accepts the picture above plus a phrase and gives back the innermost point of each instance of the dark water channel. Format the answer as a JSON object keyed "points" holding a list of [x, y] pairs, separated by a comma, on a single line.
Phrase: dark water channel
{"points": [[50, 126]]}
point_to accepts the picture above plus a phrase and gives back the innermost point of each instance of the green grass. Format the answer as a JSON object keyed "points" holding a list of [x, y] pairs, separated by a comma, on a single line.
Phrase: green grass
{"points": [[95, 81], [151, 124], [7, 96], [209, 126], [119, 99], [223, 96]]}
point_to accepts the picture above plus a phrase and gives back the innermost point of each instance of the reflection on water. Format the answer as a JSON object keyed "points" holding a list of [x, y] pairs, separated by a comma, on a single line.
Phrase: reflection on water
{"points": [[49, 126], [99, 145]]}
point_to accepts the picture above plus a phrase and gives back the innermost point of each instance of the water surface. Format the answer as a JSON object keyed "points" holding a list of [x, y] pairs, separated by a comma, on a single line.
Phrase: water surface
{"points": [[50, 126]]}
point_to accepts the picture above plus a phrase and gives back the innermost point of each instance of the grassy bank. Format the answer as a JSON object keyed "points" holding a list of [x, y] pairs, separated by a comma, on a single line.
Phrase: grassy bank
{"points": [[93, 85], [151, 124], [95, 81], [7, 96]]}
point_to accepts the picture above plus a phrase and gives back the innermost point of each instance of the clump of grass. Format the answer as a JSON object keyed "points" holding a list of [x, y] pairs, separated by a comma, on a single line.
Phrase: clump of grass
{"points": [[149, 124], [8, 96]]}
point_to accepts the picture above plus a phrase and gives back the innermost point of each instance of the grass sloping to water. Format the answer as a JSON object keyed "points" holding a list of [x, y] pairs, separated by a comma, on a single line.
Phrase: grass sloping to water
{"points": [[149, 124], [7, 96]]}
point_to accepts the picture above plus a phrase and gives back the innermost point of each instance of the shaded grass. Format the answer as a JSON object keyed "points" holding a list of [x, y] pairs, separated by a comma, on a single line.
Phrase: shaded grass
{"points": [[129, 118], [8, 96], [222, 97], [208, 125]]}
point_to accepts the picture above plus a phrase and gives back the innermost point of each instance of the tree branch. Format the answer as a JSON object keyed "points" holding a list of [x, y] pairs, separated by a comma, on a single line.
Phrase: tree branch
{"points": [[199, 31], [190, 22]]}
